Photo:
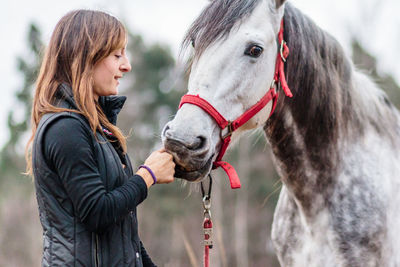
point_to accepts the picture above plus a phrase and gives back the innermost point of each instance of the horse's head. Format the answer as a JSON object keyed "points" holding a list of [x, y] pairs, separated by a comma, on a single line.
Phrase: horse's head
{"points": [[233, 66]]}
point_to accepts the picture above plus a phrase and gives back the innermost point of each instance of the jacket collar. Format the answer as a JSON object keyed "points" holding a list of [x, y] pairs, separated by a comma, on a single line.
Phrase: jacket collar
{"points": [[111, 105]]}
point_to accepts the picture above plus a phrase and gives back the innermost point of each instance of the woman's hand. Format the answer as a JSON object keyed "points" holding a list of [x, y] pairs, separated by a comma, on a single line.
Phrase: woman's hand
{"points": [[162, 165]]}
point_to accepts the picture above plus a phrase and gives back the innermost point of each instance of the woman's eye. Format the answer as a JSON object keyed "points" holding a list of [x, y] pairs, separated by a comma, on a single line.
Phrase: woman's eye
{"points": [[118, 56], [254, 51]]}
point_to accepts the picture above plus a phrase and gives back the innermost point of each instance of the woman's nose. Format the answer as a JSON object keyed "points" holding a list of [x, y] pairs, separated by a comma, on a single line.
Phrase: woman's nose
{"points": [[126, 66]]}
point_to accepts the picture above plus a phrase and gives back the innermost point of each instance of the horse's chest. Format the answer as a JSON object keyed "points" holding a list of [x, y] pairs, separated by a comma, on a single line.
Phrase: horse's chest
{"points": [[350, 231], [298, 244]]}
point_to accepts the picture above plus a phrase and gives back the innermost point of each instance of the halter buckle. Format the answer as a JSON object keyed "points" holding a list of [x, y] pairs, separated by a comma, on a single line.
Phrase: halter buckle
{"points": [[281, 50], [229, 128], [276, 85]]}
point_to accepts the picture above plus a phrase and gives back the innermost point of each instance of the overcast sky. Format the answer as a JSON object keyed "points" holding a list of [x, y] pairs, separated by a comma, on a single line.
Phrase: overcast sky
{"points": [[375, 23]]}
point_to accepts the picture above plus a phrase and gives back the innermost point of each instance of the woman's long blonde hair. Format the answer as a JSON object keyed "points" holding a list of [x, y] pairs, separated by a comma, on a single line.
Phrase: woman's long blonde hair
{"points": [[80, 40]]}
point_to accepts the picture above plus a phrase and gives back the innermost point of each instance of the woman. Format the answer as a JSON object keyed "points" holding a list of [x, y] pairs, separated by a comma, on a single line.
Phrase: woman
{"points": [[86, 189]]}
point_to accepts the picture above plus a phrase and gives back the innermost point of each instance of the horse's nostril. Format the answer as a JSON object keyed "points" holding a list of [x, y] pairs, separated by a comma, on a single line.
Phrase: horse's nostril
{"points": [[166, 128], [199, 143], [181, 140], [176, 144]]}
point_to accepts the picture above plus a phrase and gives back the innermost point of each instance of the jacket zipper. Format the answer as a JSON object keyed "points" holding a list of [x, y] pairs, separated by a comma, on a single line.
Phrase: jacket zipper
{"points": [[97, 259]]}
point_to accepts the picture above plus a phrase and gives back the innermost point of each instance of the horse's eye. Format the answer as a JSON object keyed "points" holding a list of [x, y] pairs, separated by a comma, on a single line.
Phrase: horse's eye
{"points": [[254, 51], [192, 42]]}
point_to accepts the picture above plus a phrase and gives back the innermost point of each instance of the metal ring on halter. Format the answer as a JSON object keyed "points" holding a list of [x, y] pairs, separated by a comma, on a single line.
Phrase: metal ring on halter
{"points": [[281, 50], [273, 83], [276, 85], [230, 131]]}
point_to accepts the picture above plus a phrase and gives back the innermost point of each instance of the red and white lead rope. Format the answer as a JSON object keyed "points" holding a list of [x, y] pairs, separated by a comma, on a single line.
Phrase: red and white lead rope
{"points": [[208, 242], [207, 223]]}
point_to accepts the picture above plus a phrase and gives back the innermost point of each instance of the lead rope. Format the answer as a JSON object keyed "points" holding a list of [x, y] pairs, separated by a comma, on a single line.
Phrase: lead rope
{"points": [[207, 223]]}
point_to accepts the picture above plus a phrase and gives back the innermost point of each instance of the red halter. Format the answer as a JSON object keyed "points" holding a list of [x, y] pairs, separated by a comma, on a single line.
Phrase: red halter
{"points": [[230, 126]]}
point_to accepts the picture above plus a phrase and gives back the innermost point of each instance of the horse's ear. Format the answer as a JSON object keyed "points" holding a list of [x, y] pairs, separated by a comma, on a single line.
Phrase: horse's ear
{"points": [[279, 3]]}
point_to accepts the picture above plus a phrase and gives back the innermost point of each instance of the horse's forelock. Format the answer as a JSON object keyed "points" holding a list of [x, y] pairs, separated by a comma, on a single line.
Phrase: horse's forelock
{"points": [[216, 21]]}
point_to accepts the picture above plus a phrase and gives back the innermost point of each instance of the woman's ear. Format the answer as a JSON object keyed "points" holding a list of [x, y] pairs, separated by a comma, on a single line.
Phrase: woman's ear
{"points": [[279, 3]]}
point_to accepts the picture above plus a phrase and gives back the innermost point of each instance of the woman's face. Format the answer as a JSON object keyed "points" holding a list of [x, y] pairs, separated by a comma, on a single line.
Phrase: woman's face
{"points": [[108, 71]]}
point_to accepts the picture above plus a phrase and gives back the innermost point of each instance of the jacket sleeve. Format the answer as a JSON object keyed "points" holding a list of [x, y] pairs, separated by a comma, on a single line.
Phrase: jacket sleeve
{"points": [[147, 262], [69, 150]]}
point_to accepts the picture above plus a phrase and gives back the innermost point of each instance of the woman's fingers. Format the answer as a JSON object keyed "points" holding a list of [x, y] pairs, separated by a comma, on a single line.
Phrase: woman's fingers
{"points": [[162, 164]]}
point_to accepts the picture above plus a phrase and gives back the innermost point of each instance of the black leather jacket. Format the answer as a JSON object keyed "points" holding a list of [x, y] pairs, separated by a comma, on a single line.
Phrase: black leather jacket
{"points": [[87, 200]]}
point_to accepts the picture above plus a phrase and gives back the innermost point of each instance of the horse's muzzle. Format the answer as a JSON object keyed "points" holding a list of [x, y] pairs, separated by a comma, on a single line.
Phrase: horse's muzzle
{"points": [[191, 155]]}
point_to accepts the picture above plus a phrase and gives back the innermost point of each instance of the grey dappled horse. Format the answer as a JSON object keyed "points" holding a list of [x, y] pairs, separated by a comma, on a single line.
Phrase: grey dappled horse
{"points": [[335, 142]]}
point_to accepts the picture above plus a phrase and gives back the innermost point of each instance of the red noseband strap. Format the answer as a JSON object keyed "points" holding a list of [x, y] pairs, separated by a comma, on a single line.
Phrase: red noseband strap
{"points": [[228, 127]]}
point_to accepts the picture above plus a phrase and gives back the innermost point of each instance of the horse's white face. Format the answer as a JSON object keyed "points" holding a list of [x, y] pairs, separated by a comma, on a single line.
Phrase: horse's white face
{"points": [[232, 80]]}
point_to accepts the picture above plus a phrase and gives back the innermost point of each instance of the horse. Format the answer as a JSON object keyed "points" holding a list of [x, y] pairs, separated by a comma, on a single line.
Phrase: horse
{"points": [[334, 135]]}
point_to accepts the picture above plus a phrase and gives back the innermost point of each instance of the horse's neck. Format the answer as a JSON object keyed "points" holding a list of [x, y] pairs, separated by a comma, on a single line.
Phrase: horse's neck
{"points": [[304, 130], [327, 109], [309, 155], [308, 172]]}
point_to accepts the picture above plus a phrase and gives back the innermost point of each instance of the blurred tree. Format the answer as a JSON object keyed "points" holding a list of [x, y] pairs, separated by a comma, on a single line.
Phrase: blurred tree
{"points": [[20, 243], [11, 157], [153, 89], [363, 60]]}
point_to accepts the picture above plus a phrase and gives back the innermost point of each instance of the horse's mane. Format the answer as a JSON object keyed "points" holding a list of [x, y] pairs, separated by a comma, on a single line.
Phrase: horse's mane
{"points": [[320, 77], [328, 103]]}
